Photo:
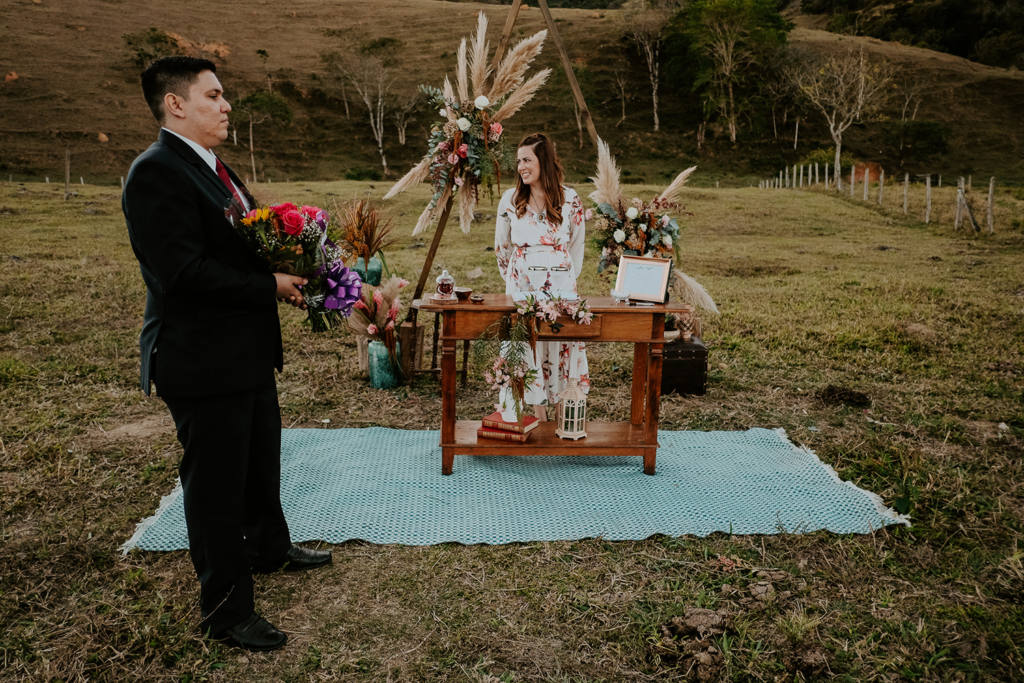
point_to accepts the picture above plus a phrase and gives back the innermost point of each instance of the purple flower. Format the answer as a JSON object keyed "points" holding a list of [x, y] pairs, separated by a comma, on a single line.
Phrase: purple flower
{"points": [[343, 288]]}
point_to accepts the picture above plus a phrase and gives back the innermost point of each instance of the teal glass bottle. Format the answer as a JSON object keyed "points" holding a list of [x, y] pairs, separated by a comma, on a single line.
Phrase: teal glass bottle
{"points": [[371, 275], [383, 373]]}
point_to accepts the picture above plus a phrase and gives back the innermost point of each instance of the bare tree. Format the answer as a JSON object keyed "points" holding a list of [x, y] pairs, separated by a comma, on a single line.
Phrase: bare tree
{"points": [[369, 72], [844, 87], [644, 23], [334, 78], [621, 81], [259, 107], [405, 112]]}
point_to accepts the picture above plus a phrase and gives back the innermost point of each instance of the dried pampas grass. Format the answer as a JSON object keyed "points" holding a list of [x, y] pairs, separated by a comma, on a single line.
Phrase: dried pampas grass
{"points": [[417, 175], [606, 182], [521, 96], [671, 192], [510, 72], [462, 72], [467, 202], [688, 291], [478, 67], [449, 94], [428, 213]]}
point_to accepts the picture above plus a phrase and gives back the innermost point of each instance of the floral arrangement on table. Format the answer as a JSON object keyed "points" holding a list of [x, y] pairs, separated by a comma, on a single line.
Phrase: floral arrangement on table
{"points": [[636, 228], [633, 227], [466, 149], [301, 241], [511, 369], [375, 314]]}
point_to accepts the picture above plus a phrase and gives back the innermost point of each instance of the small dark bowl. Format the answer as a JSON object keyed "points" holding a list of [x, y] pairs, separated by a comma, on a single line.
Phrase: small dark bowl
{"points": [[477, 298], [463, 293]]}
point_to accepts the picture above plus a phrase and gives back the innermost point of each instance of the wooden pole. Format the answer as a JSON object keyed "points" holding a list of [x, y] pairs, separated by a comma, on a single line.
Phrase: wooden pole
{"points": [[853, 179], [506, 33], [928, 198], [567, 65], [826, 176], [442, 221], [867, 183], [881, 185], [967, 210], [991, 198], [959, 204], [906, 186], [787, 177], [67, 173], [815, 172], [801, 175]]}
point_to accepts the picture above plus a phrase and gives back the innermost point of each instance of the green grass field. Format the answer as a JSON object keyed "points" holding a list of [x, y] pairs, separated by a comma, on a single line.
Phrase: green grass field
{"points": [[814, 290]]}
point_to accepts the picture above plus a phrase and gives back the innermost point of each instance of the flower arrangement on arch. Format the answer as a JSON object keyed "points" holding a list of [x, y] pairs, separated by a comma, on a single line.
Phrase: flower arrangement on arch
{"points": [[466, 149], [375, 314], [633, 227], [301, 241]]}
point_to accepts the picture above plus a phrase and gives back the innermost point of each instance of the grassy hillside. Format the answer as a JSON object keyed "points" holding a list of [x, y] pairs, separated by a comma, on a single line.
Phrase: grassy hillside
{"points": [[75, 81]]}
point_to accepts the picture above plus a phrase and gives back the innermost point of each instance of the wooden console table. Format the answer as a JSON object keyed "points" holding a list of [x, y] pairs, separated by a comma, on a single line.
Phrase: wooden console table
{"points": [[644, 326]]}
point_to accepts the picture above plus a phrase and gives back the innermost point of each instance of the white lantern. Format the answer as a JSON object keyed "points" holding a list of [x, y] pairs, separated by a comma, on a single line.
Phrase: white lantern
{"points": [[572, 412]]}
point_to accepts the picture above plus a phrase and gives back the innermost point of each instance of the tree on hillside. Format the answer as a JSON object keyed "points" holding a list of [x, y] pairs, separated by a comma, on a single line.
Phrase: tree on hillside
{"points": [[730, 41], [644, 23], [259, 107], [368, 69], [559, 83], [265, 58], [845, 87], [406, 108], [333, 79]]}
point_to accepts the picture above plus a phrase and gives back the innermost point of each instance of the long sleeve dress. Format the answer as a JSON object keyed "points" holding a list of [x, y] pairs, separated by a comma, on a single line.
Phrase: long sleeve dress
{"points": [[536, 256]]}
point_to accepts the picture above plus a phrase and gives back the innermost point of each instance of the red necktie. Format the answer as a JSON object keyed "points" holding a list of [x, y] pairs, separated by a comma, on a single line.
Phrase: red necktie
{"points": [[226, 179]]}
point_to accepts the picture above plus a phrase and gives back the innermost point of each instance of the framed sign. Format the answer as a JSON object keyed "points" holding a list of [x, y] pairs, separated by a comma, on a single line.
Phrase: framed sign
{"points": [[646, 279]]}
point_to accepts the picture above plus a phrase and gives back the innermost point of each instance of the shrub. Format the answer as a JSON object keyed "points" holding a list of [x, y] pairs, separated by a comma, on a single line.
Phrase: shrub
{"points": [[145, 46], [827, 155], [360, 173]]}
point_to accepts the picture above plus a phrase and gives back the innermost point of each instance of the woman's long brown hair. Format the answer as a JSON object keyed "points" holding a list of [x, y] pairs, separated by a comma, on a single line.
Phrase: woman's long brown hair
{"points": [[551, 177]]}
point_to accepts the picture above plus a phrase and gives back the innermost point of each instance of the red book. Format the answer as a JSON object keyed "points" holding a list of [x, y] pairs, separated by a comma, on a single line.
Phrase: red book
{"points": [[501, 434], [494, 421]]}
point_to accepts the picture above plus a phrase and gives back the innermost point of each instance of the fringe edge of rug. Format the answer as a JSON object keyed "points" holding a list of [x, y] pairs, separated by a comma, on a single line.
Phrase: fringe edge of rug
{"points": [[883, 511], [144, 525]]}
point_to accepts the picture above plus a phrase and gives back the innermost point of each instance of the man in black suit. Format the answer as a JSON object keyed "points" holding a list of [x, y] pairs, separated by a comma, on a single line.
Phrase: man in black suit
{"points": [[210, 340]]}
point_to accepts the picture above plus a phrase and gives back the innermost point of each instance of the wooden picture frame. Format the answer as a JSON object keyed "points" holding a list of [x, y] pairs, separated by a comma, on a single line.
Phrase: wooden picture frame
{"points": [[646, 279]]}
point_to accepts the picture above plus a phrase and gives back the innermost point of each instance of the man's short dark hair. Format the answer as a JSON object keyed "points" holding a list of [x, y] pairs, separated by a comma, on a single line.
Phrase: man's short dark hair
{"points": [[171, 75]]}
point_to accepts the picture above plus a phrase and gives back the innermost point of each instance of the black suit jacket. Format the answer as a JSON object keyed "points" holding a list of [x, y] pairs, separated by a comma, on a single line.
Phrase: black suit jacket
{"points": [[211, 323]]}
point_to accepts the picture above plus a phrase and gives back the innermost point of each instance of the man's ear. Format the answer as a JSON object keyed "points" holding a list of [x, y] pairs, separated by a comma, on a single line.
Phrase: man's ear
{"points": [[173, 107]]}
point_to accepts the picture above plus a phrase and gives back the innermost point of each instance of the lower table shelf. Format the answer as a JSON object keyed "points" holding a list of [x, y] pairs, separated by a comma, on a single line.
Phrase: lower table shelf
{"points": [[603, 438]]}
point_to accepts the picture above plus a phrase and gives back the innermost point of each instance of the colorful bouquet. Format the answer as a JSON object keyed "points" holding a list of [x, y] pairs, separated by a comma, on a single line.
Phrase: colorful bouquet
{"points": [[375, 313], [300, 241], [466, 149], [633, 228]]}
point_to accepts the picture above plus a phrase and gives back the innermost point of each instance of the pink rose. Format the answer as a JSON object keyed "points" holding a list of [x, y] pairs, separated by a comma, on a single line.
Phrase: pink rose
{"points": [[371, 329], [464, 150], [284, 208], [495, 130], [460, 182], [443, 147], [588, 214], [252, 214], [293, 222], [453, 159]]}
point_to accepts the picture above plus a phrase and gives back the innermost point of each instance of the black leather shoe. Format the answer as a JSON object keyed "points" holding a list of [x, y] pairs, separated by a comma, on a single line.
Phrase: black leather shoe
{"points": [[297, 559], [255, 634]]}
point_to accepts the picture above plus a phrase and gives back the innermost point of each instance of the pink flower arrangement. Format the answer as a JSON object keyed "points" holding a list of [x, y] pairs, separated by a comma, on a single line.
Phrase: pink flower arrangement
{"points": [[495, 131]]}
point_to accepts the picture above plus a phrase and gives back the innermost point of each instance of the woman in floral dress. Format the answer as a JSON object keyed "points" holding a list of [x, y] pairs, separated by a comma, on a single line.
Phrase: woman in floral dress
{"points": [[539, 244]]}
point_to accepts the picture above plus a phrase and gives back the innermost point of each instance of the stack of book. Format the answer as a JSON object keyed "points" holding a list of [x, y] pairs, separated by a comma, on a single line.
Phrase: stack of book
{"points": [[495, 428]]}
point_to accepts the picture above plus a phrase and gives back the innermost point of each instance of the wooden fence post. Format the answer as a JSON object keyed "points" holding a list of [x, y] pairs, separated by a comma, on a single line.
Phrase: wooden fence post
{"points": [[991, 197], [968, 182], [940, 180], [959, 205], [826, 176], [787, 177], [906, 186], [67, 173], [928, 199], [801, 175], [815, 172], [867, 183], [853, 179], [881, 185]]}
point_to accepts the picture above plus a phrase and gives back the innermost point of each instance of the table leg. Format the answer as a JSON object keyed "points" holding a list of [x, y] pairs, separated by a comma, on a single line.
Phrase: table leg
{"points": [[465, 364], [640, 353], [447, 396], [653, 397]]}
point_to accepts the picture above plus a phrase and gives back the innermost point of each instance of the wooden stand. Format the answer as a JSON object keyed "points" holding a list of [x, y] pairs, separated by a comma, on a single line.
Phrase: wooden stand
{"points": [[643, 326]]}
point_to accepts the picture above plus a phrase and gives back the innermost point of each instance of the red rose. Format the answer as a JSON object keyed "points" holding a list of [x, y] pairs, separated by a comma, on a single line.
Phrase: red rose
{"points": [[293, 222], [282, 209], [310, 211]]}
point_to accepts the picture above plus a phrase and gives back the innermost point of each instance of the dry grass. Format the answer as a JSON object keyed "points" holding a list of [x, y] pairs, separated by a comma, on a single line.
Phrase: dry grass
{"points": [[808, 300]]}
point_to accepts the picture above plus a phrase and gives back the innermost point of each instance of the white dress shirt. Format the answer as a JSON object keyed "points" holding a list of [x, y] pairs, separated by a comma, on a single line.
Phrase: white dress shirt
{"points": [[211, 159]]}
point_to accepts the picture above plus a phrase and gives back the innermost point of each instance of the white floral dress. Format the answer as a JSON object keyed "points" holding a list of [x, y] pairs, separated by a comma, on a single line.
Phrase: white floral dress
{"points": [[535, 255]]}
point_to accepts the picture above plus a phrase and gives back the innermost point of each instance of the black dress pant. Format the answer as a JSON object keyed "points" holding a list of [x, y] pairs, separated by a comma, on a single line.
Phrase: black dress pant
{"points": [[231, 480]]}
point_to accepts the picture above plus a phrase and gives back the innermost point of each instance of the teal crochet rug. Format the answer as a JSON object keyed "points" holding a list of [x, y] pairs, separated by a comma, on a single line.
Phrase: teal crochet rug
{"points": [[385, 486]]}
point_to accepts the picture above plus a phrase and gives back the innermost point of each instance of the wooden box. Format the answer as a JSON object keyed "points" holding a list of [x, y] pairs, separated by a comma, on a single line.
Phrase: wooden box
{"points": [[685, 367]]}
